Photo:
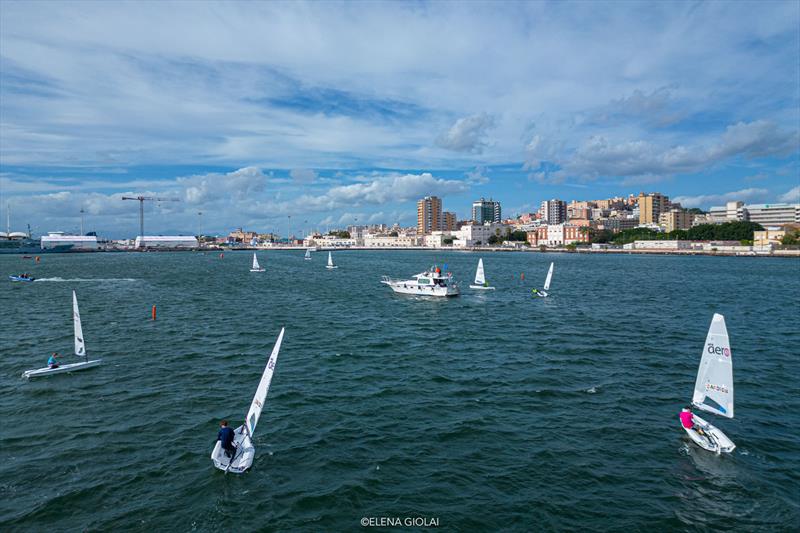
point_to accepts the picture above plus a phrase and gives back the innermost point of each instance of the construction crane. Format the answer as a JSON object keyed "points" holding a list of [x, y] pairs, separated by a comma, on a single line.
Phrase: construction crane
{"points": [[141, 200]]}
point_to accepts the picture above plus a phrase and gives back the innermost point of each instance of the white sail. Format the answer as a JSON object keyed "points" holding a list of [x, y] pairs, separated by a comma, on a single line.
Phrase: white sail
{"points": [[80, 347], [308, 253], [263, 387], [480, 278], [713, 390], [549, 277], [330, 260], [256, 266]]}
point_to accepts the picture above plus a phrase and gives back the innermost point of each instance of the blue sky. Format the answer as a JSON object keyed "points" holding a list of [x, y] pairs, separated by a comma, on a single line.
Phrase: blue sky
{"points": [[315, 115]]}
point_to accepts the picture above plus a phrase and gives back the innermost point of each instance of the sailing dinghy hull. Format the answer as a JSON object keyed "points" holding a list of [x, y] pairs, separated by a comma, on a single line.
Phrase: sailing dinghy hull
{"points": [[481, 287], [242, 460], [47, 371], [715, 440]]}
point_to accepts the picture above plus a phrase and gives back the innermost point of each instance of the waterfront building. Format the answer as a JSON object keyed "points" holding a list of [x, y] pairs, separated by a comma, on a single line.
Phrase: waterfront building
{"points": [[58, 239], [615, 224], [769, 237], [242, 236], [553, 211], [651, 206], [486, 211], [675, 219], [389, 241], [557, 235], [166, 241], [429, 215], [662, 245], [477, 234]]}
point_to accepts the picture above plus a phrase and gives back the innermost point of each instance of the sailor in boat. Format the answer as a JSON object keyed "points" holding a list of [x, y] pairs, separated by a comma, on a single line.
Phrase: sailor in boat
{"points": [[535, 291], [52, 362], [687, 420], [225, 436]]}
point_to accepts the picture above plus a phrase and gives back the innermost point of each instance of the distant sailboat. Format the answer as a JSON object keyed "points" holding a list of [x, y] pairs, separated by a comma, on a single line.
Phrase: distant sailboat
{"points": [[80, 349], [245, 451], [480, 278], [543, 293], [330, 265], [713, 389], [308, 255], [256, 267]]}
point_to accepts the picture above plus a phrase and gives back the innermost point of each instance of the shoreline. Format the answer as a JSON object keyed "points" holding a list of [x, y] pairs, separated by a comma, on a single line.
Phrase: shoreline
{"points": [[791, 253]]}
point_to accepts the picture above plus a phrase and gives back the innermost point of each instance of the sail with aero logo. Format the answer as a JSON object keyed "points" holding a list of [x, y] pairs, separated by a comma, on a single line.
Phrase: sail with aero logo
{"points": [[263, 387], [240, 458], [713, 390]]}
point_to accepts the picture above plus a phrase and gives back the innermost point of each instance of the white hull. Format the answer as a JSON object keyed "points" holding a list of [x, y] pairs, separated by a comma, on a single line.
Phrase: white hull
{"points": [[714, 441], [481, 287], [541, 294], [47, 371], [258, 270], [331, 267], [245, 452], [431, 290]]}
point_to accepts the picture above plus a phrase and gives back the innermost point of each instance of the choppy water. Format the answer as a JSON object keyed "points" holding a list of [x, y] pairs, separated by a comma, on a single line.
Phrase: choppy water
{"points": [[488, 411]]}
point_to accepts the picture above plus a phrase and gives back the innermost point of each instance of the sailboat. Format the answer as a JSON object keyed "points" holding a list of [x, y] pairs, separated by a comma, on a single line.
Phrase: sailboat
{"points": [[543, 292], [330, 265], [243, 439], [713, 389], [80, 349], [256, 267], [308, 255], [480, 278]]}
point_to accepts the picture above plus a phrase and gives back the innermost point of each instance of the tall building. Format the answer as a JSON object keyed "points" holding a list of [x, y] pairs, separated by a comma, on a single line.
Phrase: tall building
{"points": [[675, 219], [486, 211], [553, 211], [450, 221], [429, 215], [651, 206]]}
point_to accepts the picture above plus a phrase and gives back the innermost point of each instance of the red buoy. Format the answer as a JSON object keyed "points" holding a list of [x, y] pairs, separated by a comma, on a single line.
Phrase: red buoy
{"points": [[154, 312]]}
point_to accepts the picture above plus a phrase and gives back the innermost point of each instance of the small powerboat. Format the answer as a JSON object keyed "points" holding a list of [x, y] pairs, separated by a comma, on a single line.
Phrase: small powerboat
{"points": [[21, 277]]}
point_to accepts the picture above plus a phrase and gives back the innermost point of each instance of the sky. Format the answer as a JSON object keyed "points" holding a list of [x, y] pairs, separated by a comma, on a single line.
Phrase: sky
{"points": [[295, 116]]}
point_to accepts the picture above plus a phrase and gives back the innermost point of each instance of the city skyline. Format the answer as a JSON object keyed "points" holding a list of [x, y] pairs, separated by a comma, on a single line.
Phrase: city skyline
{"points": [[698, 102]]}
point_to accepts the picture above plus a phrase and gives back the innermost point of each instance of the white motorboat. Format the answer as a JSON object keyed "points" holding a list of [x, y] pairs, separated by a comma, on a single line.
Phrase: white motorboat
{"points": [[431, 283]]}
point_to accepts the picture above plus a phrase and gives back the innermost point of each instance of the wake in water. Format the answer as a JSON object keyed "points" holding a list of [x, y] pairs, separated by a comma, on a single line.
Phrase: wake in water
{"points": [[84, 279]]}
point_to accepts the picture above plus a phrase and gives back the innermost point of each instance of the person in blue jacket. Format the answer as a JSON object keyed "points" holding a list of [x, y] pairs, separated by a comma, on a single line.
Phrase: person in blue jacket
{"points": [[225, 436], [53, 361]]}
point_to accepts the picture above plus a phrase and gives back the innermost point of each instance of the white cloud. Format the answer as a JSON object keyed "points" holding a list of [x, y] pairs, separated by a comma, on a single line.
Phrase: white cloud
{"points": [[382, 190], [467, 134], [792, 196], [705, 200], [303, 175]]}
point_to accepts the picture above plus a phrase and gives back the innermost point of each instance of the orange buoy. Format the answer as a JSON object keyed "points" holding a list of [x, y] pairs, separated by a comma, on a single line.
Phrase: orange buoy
{"points": [[221, 255], [38, 258], [522, 276], [154, 312]]}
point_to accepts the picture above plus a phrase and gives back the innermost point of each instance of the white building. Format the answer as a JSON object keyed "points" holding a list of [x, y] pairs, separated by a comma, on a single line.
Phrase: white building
{"points": [[388, 241], [328, 241], [57, 239], [477, 234], [773, 214], [166, 241], [436, 239], [662, 245]]}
